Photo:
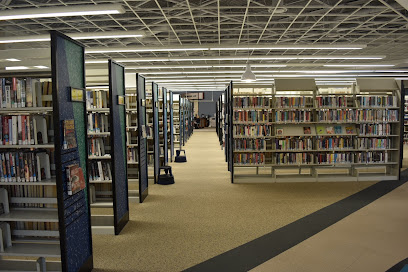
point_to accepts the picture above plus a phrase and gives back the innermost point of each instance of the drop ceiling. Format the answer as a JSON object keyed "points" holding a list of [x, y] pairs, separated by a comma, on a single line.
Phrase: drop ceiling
{"points": [[380, 25]]}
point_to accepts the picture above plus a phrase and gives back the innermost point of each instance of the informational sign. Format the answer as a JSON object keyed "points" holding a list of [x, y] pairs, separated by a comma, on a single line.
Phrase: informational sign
{"points": [[193, 96]]}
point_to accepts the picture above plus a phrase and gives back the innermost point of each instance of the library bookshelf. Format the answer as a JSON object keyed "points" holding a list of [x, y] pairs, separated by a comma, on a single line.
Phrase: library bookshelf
{"points": [[132, 142], [176, 123], [170, 114], [296, 132], [107, 148], [43, 213]]}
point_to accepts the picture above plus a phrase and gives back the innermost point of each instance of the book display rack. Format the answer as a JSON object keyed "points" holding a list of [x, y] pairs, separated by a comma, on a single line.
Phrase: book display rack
{"points": [[107, 153], [44, 211], [300, 132]]}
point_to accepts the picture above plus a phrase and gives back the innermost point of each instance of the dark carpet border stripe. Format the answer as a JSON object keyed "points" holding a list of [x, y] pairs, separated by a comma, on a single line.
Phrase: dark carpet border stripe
{"points": [[399, 266], [264, 248]]}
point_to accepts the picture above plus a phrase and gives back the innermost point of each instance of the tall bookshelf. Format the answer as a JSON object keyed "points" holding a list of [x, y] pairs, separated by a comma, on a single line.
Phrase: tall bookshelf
{"points": [[170, 121], [132, 145], [39, 217], [176, 122], [296, 132], [107, 153], [166, 126], [157, 130], [149, 130]]}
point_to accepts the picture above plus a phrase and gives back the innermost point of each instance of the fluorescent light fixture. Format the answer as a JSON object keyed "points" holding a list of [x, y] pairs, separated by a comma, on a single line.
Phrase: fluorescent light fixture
{"points": [[41, 67], [288, 57], [16, 68], [72, 10], [75, 36], [224, 47], [358, 65], [203, 66], [13, 59]]}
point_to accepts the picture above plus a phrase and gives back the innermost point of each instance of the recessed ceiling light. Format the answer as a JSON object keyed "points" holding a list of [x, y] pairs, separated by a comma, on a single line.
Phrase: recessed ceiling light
{"points": [[12, 59], [41, 67]]}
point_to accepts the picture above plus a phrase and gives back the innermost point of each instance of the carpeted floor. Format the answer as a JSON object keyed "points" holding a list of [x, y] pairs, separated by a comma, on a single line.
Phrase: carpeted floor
{"points": [[204, 215]]}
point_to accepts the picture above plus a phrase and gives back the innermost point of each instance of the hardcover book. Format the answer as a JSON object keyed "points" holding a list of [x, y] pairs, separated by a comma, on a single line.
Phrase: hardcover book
{"points": [[320, 130], [76, 180], [349, 130], [337, 129], [330, 130], [69, 134]]}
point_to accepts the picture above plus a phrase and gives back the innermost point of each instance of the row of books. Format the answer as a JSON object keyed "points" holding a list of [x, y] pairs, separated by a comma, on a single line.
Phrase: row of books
{"points": [[96, 146], [331, 101], [254, 130], [374, 143], [22, 93], [294, 116], [98, 122], [252, 116], [32, 191], [377, 101], [251, 101], [323, 158], [249, 158], [24, 129], [334, 143], [294, 158], [375, 129], [378, 115], [293, 102], [373, 157], [345, 115], [97, 99], [132, 154], [51, 226], [294, 144], [24, 166], [249, 144], [99, 171]]}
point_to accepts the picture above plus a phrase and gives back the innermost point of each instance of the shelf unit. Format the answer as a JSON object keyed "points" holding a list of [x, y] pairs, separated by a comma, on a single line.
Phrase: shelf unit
{"points": [[150, 131], [166, 126], [107, 148], [170, 110], [132, 139], [299, 133], [41, 220], [176, 123]]}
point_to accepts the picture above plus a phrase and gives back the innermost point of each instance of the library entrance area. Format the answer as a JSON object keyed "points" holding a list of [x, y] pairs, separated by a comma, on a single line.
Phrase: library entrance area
{"points": [[203, 214]]}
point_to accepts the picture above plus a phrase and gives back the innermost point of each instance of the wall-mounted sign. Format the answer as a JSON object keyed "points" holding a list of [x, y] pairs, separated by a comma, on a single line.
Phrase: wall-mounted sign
{"points": [[193, 96], [77, 95], [121, 100]]}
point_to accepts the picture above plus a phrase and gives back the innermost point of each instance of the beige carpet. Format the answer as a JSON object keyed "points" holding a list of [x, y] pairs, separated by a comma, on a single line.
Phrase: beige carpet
{"points": [[204, 215]]}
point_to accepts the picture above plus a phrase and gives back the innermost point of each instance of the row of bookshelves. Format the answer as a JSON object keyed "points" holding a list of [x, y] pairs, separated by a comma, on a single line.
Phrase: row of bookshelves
{"points": [[311, 101], [293, 126]]}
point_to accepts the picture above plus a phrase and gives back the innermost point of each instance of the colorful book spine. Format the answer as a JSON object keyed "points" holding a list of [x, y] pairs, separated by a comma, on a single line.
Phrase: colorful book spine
{"points": [[252, 130], [291, 143], [294, 158], [249, 158], [293, 116]]}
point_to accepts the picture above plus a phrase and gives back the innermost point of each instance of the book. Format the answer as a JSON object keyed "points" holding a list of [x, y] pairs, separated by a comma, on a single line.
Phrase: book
{"points": [[337, 129], [349, 130], [320, 130], [76, 180], [279, 131], [69, 134], [329, 130], [307, 130]]}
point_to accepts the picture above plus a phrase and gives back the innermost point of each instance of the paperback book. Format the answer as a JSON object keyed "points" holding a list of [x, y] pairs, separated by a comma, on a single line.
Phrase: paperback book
{"points": [[76, 180], [69, 134]]}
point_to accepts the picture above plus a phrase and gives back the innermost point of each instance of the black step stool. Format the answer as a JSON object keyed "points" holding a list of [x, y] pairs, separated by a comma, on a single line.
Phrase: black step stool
{"points": [[180, 158], [167, 178]]}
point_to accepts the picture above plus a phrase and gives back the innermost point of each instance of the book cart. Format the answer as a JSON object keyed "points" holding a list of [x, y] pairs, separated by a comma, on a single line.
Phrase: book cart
{"points": [[107, 154], [44, 210], [296, 132]]}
